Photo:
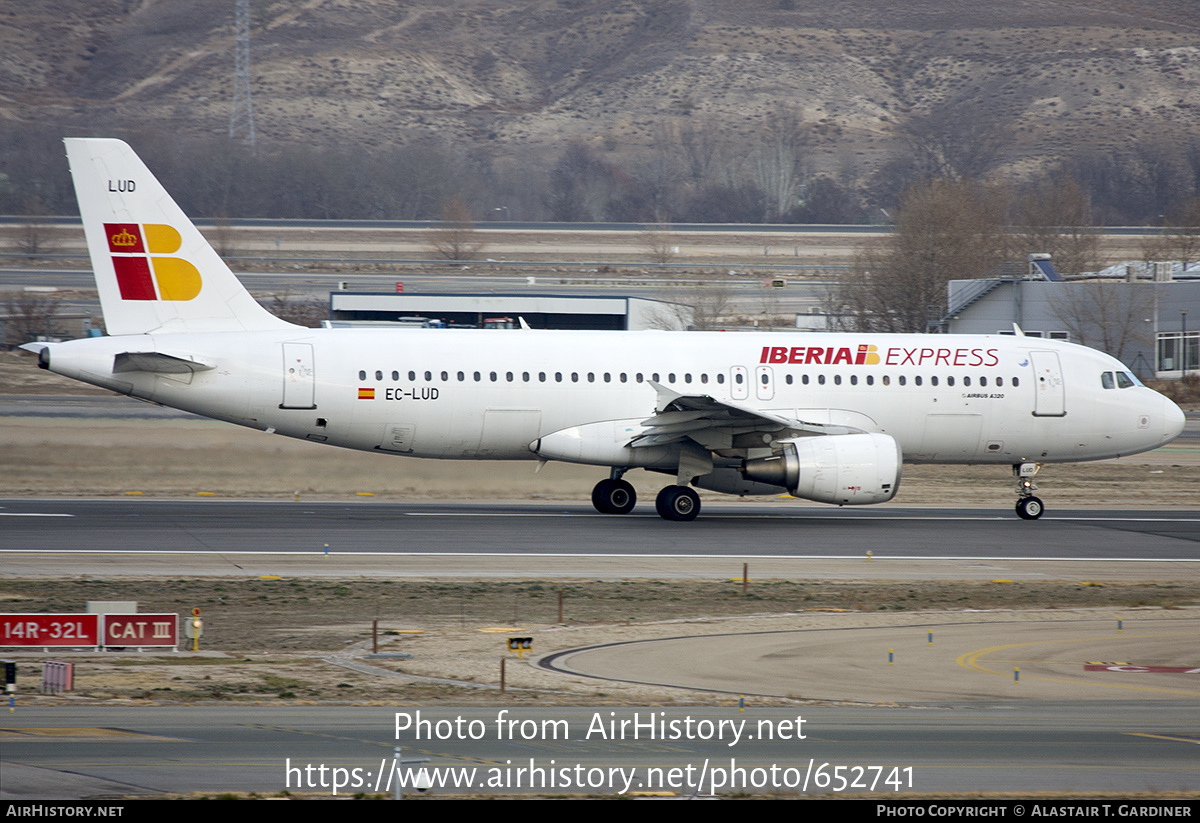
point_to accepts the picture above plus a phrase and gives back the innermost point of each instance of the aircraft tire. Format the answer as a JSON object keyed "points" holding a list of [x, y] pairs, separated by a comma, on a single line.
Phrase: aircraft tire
{"points": [[677, 503], [600, 496], [1030, 508], [614, 497]]}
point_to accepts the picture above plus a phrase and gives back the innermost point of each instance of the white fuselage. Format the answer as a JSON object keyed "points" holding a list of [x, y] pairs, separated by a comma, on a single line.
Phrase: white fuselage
{"points": [[463, 394]]}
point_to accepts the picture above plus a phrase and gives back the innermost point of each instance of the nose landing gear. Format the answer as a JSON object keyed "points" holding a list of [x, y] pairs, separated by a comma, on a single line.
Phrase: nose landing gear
{"points": [[1029, 507]]}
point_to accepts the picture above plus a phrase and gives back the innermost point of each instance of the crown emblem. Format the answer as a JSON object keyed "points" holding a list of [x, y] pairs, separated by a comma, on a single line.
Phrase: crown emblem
{"points": [[124, 239]]}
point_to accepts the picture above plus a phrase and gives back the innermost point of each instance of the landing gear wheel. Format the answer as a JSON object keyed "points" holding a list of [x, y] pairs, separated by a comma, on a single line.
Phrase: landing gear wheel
{"points": [[614, 497], [1030, 508], [677, 503]]}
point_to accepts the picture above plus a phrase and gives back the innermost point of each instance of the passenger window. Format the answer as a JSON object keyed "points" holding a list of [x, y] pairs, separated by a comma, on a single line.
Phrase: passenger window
{"points": [[804, 379], [541, 377], [395, 375], [671, 377], [493, 376], [624, 377], [966, 381], [591, 377], [445, 377], [428, 376], [821, 379], [687, 378], [983, 382], [1016, 382], [837, 380], [461, 377], [558, 377], [999, 381], [721, 379], [854, 380], [887, 381], [870, 380], [933, 380], [949, 381], [737, 378], [362, 375], [704, 378], [901, 378], [639, 377], [788, 380], [508, 376], [477, 377], [525, 376], [574, 377], [1106, 380], [378, 375], [607, 377], [917, 380]]}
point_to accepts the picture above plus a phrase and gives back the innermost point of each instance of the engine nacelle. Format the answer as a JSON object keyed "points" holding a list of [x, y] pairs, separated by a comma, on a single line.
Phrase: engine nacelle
{"points": [[847, 469], [603, 444]]}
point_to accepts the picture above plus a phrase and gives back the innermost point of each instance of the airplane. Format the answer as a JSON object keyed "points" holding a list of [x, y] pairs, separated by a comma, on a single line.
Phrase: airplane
{"points": [[822, 417]]}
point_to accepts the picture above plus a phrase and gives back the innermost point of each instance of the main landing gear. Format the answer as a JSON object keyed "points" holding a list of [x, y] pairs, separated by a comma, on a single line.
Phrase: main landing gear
{"points": [[1028, 506], [616, 496]]}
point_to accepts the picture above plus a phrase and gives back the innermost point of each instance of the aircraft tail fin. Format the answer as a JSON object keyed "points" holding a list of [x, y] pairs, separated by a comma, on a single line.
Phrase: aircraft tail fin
{"points": [[154, 271]]}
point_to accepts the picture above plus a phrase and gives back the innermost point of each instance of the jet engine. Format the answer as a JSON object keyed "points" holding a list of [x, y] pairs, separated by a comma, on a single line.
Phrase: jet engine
{"points": [[847, 469]]}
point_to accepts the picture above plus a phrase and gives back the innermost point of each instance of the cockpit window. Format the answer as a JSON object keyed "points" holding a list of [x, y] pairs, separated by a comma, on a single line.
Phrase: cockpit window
{"points": [[1106, 380], [1124, 381]]}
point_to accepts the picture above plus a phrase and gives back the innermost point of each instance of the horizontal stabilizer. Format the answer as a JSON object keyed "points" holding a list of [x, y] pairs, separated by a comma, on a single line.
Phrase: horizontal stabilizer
{"points": [[150, 361]]}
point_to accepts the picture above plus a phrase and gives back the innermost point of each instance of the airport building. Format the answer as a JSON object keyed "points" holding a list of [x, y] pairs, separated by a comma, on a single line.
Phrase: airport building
{"points": [[487, 310], [1153, 325]]}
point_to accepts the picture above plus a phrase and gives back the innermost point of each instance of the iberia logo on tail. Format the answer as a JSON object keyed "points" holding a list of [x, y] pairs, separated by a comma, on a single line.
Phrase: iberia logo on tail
{"points": [[142, 274]]}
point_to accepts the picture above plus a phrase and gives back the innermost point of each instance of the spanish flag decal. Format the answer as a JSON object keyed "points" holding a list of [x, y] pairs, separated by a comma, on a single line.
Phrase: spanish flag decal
{"points": [[366, 394]]}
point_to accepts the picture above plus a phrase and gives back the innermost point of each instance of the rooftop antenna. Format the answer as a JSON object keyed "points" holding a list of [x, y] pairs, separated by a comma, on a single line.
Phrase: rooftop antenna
{"points": [[241, 119]]}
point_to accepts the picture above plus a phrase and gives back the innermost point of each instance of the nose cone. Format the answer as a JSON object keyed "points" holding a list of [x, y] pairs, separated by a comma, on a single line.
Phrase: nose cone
{"points": [[1173, 420]]}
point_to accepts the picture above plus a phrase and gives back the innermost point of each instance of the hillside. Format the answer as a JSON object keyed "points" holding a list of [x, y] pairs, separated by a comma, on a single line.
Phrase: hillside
{"points": [[1028, 81]]}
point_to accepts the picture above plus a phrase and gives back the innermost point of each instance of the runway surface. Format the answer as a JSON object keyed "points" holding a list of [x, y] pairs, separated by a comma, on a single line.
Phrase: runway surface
{"points": [[569, 529], [1114, 738]]}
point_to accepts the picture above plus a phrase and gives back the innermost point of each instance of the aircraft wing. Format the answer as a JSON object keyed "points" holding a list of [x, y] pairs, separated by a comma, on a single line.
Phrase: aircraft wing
{"points": [[715, 424]]}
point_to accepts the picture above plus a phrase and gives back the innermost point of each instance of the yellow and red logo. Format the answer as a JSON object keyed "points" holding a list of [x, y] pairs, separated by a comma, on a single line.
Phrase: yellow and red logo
{"points": [[141, 273], [366, 394]]}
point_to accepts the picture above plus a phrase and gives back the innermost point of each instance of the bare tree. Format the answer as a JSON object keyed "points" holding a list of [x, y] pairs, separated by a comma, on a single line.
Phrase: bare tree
{"points": [[779, 161], [1105, 314], [945, 230], [703, 307], [956, 140], [303, 311], [34, 237], [1056, 218], [30, 315], [657, 243], [456, 238], [1180, 239], [223, 236]]}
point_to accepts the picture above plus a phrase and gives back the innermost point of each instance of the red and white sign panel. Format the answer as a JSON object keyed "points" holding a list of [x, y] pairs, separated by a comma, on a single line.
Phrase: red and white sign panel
{"points": [[49, 630], [141, 629]]}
